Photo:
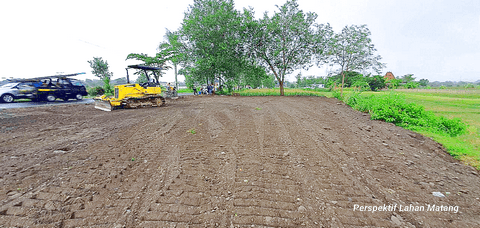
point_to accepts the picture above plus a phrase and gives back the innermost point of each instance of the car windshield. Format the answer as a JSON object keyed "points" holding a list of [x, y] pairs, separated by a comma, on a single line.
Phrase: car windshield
{"points": [[9, 85]]}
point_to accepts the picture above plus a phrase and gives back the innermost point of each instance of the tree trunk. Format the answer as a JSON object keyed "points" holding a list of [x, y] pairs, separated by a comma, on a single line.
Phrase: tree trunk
{"points": [[176, 82], [282, 93], [343, 81]]}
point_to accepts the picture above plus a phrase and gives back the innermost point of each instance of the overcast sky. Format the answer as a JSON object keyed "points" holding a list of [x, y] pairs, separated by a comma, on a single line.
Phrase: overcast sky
{"points": [[434, 39]]}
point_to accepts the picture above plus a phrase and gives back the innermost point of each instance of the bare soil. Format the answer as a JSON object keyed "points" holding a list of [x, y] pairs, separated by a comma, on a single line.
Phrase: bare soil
{"points": [[219, 161]]}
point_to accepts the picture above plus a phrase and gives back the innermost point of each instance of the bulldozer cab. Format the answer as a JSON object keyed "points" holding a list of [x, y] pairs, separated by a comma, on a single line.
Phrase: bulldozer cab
{"points": [[151, 82]]}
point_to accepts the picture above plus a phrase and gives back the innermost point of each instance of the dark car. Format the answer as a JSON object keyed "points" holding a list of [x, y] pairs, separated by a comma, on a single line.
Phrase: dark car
{"points": [[44, 89], [54, 87]]}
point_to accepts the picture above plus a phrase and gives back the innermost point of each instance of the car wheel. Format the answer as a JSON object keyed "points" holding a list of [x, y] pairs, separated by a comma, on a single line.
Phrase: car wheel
{"points": [[79, 97], [7, 98], [51, 98]]}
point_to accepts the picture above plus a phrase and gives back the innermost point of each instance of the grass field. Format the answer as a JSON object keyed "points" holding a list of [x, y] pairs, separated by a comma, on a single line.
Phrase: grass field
{"points": [[463, 104], [185, 91], [288, 92]]}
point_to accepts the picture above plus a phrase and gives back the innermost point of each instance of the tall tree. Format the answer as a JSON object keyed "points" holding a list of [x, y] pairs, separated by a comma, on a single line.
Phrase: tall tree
{"points": [[211, 37], [100, 69], [408, 78], [171, 50], [423, 82], [352, 49], [286, 41]]}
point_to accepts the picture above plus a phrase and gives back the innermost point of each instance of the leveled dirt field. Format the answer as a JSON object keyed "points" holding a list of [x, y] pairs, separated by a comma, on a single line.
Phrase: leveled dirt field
{"points": [[226, 162]]}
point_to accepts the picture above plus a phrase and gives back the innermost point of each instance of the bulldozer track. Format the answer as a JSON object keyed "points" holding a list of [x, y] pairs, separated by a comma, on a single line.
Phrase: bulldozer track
{"points": [[149, 101]]}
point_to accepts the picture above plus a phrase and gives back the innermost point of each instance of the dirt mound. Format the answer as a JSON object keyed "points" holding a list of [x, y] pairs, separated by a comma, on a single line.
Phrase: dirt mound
{"points": [[226, 162]]}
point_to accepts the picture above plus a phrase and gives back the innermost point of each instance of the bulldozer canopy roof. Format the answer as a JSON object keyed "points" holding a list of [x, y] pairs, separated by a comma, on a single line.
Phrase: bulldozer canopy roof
{"points": [[144, 67]]}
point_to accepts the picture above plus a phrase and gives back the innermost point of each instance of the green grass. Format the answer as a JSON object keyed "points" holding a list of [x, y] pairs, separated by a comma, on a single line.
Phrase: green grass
{"points": [[288, 92], [185, 91]]}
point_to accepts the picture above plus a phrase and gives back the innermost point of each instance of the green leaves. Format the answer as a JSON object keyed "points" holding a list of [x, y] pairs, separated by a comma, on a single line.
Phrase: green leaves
{"points": [[351, 49], [287, 40], [213, 43], [393, 108], [100, 69]]}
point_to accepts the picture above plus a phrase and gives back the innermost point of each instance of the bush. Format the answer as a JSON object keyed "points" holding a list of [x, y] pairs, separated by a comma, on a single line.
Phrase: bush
{"points": [[108, 90], [393, 108], [376, 82], [453, 126], [469, 86], [352, 98], [412, 85], [362, 85], [95, 91]]}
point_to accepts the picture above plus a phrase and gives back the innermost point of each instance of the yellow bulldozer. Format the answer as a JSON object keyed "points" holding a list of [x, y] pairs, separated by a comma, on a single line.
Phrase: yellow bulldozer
{"points": [[133, 95]]}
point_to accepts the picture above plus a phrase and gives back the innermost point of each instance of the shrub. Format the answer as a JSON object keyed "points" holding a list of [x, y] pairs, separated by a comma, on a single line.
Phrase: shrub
{"points": [[107, 87], [95, 91], [336, 93], [393, 108], [362, 85], [352, 98], [376, 82], [412, 85], [469, 86]]}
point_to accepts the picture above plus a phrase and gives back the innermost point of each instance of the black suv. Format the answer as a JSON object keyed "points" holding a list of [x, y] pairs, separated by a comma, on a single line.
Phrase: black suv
{"points": [[54, 87], [50, 88]]}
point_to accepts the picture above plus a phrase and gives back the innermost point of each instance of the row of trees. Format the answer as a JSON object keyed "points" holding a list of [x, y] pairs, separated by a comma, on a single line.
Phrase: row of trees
{"points": [[216, 42]]}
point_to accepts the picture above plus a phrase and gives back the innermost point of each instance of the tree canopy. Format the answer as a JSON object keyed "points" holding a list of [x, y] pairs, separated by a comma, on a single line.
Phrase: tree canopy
{"points": [[286, 41], [211, 34], [100, 69], [216, 42], [352, 49]]}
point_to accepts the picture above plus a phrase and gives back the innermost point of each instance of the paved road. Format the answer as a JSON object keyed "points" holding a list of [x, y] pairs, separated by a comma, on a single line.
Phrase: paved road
{"points": [[36, 104], [57, 102]]}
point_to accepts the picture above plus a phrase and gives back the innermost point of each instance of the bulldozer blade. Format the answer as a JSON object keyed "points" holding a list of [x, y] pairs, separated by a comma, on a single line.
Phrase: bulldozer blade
{"points": [[103, 105]]}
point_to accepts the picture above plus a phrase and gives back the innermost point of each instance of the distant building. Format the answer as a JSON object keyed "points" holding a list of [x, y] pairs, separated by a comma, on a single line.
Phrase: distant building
{"points": [[389, 76]]}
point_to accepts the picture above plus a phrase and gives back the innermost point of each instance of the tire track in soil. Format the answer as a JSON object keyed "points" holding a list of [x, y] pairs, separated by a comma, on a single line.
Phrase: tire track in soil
{"points": [[197, 195], [123, 204], [334, 194], [265, 194], [295, 162], [164, 203], [380, 162], [74, 198], [43, 202]]}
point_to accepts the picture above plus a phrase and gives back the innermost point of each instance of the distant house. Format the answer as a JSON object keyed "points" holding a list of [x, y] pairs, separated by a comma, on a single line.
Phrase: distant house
{"points": [[389, 76]]}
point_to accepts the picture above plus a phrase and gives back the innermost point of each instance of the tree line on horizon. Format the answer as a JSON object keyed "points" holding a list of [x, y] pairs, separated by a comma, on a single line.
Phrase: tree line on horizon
{"points": [[217, 43]]}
